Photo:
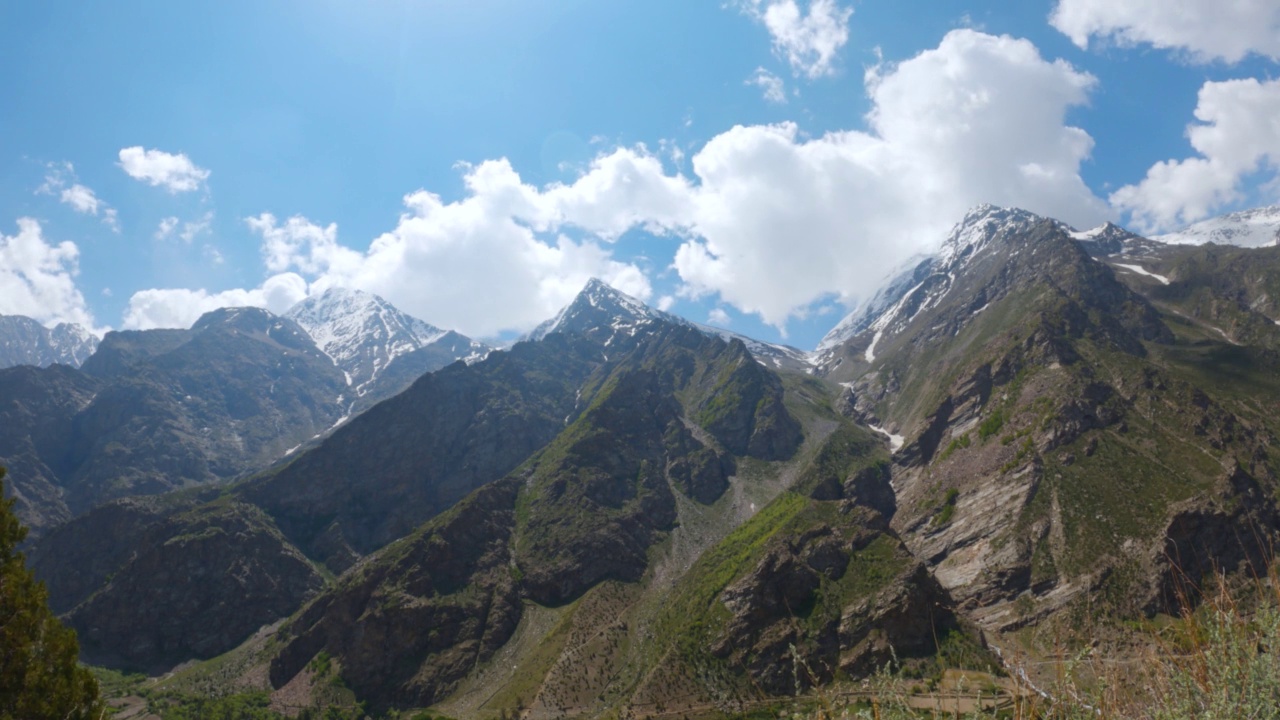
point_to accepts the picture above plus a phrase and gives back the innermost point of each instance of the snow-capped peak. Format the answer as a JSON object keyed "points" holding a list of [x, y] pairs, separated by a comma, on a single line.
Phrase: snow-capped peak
{"points": [[598, 302], [1259, 227], [1105, 230], [361, 332], [23, 341], [979, 226], [608, 315], [967, 238]]}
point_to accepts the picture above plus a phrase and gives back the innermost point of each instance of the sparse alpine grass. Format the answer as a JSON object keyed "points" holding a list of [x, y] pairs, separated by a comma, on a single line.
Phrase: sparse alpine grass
{"points": [[1220, 661]]}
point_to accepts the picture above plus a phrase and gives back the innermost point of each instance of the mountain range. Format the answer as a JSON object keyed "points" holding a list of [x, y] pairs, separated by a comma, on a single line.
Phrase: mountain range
{"points": [[1035, 436], [157, 410], [24, 341]]}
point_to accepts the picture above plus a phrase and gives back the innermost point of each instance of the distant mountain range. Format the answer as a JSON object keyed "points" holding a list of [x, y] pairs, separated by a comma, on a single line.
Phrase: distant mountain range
{"points": [[1259, 227], [150, 411], [24, 341], [628, 513]]}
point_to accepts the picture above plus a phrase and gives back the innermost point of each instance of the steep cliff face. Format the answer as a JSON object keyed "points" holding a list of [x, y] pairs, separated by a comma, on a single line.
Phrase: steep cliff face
{"points": [[1064, 424], [223, 565], [35, 419]]}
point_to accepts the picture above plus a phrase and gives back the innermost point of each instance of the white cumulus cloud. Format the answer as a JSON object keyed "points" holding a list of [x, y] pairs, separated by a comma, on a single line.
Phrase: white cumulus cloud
{"points": [[60, 180], [174, 172], [783, 221], [81, 199], [809, 41], [180, 307], [166, 227], [301, 244], [37, 278], [771, 86], [1207, 29], [477, 264], [769, 220], [1238, 134]]}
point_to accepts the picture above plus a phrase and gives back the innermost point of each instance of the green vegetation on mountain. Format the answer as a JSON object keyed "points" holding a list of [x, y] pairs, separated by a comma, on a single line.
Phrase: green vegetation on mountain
{"points": [[40, 678], [629, 517], [159, 410], [585, 511]]}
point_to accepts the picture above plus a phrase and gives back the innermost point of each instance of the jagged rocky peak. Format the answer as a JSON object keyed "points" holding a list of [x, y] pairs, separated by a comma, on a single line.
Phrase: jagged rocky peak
{"points": [[1258, 227], [346, 324], [605, 314], [23, 341], [980, 226], [1110, 239], [1106, 231], [364, 334], [600, 308]]}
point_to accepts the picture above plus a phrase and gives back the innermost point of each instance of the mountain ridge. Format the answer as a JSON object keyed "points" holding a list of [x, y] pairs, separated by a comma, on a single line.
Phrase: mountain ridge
{"points": [[380, 348], [23, 341]]}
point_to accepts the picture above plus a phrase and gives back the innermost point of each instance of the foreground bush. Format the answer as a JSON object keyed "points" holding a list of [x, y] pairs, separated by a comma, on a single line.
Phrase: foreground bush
{"points": [[39, 674]]}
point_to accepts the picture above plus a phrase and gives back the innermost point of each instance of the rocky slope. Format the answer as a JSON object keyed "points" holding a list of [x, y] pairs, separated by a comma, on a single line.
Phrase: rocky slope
{"points": [[373, 480], [638, 562], [630, 515], [24, 341], [224, 563], [155, 410], [670, 416], [602, 439], [1066, 436]]}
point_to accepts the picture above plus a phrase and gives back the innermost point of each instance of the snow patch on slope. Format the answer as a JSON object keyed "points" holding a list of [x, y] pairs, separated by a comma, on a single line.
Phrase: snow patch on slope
{"points": [[1143, 271], [599, 309]]}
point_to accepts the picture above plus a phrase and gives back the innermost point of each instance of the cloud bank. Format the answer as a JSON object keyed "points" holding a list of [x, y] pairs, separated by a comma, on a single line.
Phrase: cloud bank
{"points": [[37, 278], [769, 220], [1205, 29], [1238, 134]]}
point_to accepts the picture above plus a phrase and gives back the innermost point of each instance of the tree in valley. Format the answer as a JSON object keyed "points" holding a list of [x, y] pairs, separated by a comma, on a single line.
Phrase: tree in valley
{"points": [[39, 674]]}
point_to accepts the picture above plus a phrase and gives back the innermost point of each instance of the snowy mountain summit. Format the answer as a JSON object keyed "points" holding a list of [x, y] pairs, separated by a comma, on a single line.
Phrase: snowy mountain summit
{"points": [[1259, 227], [365, 334], [606, 315], [923, 281], [23, 341], [600, 312]]}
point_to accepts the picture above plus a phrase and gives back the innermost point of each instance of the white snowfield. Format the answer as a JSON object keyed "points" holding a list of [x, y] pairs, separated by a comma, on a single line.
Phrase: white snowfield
{"points": [[1142, 271], [1259, 227]]}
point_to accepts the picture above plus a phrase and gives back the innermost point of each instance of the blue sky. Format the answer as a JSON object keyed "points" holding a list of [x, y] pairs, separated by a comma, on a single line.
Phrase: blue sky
{"points": [[158, 159]]}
